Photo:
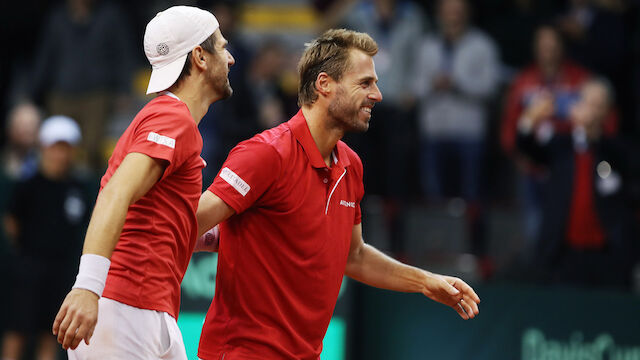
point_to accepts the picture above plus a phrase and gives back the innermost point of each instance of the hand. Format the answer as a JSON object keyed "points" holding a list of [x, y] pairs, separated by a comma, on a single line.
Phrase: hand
{"points": [[453, 292], [541, 108], [77, 318]]}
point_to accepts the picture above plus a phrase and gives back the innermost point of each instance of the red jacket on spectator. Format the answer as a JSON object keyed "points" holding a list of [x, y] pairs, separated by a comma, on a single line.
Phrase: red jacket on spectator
{"points": [[565, 86]]}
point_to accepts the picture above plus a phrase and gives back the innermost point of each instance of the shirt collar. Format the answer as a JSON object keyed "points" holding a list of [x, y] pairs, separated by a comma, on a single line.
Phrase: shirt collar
{"points": [[300, 129], [170, 94]]}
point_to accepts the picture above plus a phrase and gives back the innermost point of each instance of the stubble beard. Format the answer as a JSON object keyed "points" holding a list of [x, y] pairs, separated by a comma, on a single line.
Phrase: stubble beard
{"points": [[221, 85], [345, 115]]}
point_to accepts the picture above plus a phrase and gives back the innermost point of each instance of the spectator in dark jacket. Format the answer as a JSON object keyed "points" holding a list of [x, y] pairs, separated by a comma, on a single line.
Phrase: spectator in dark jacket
{"points": [[586, 232]]}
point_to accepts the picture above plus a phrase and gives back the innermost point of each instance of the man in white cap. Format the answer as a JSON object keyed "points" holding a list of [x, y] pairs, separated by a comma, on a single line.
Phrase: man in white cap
{"points": [[143, 228], [45, 219]]}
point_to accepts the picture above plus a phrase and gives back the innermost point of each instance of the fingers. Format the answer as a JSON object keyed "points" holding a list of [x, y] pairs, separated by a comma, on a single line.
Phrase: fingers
{"points": [[468, 291], [56, 323], [452, 290], [474, 306], [460, 310], [468, 309], [89, 335], [466, 304], [64, 325], [70, 334], [82, 333]]}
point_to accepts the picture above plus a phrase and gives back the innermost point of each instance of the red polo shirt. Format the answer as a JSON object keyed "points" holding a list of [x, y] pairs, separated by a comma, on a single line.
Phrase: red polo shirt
{"points": [[282, 256], [160, 229]]}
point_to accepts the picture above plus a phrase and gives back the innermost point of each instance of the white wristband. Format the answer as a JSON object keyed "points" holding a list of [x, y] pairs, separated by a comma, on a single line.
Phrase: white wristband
{"points": [[93, 273]]}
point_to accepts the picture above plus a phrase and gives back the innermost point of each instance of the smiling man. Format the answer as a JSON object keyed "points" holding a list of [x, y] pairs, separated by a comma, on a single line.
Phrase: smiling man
{"points": [[289, 203], [143, 228]]}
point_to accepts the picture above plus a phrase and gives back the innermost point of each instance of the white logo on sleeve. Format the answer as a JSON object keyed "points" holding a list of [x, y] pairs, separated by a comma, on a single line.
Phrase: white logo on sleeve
{"points": [[162, 140], [235, 181], [351, 204]]}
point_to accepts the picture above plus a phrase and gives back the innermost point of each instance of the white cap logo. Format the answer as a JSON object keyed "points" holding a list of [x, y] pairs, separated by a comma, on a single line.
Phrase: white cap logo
{"points": [[162, 49]]}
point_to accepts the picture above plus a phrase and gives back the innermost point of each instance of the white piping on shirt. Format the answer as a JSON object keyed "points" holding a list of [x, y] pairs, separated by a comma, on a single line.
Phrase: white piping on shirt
{"points": [[334, 189]]}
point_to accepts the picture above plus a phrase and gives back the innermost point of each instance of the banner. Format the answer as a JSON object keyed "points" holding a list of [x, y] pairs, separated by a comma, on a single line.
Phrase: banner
{"points": [[515, 322]]}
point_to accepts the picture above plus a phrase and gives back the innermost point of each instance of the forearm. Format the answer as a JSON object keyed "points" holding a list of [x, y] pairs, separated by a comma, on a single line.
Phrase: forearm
{"points": [[374, 268], [211, 212], [106, 223]]}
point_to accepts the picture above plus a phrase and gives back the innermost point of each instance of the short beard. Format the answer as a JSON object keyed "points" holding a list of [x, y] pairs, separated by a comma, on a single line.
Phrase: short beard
{"points": [[221, 86], [220, 81], [345, 116]]}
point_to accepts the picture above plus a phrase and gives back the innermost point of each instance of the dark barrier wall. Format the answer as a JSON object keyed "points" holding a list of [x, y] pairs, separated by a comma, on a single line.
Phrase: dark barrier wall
{"points": [[515, 322]]}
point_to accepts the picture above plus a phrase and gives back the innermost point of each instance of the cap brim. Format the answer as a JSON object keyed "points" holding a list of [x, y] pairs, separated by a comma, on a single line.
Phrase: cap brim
{"points": [[162, 78]]}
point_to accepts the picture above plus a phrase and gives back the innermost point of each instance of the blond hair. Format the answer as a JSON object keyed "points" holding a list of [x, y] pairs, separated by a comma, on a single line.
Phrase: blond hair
{"points": [[329, 53]]}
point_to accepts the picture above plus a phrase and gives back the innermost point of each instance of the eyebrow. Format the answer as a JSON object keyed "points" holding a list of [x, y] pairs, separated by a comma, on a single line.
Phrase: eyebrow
{"points": [[368, 78]]}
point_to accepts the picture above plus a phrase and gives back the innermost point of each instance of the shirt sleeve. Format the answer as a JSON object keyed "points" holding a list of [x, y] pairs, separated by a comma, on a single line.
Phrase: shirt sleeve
{"points": [[167, 136], [249, 171]]}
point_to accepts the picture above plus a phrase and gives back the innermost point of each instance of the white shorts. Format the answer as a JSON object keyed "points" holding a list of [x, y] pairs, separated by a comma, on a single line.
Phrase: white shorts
{"points": [[126, 332]]}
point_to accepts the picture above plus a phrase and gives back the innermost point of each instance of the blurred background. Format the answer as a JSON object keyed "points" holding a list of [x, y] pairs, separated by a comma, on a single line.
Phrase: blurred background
{"points": [[505, 152]]}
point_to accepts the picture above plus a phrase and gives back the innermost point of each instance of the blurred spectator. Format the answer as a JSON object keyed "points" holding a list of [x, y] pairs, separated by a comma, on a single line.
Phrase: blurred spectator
{"points": [[586, 234], [457, 73], [395, 25], [558, 77], [19, 155], [389, 144], [83, 68], [45, 222], [598, 36]]}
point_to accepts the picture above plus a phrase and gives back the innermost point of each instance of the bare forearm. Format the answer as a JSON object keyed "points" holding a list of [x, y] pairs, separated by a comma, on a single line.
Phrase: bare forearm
{"points": [[106, 223], [211, 212], [374, 268]]}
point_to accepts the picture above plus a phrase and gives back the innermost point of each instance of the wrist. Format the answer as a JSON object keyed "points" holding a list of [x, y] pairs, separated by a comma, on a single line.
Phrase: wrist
{"points": [[92, 274], [209, 241]]}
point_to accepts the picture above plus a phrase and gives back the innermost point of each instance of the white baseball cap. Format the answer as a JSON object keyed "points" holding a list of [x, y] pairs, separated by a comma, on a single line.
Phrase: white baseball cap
{"points": [[169, 37], [59, 128]]}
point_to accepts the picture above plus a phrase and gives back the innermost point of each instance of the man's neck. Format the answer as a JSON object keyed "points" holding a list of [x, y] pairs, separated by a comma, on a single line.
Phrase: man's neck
{"points": [[195, 101], [550, 70], [323, 133]]}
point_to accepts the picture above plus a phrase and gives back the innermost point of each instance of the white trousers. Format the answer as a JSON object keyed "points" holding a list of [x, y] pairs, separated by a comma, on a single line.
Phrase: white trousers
{"points": [[128, 333]]}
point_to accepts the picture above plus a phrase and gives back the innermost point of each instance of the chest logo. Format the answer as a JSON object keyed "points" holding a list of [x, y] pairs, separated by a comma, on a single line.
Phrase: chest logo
{"points": [[350, 204]]}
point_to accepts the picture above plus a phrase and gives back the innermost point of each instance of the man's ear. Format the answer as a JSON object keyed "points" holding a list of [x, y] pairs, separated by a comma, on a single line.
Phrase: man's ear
{"points": [[324, 84], [198, 59]]}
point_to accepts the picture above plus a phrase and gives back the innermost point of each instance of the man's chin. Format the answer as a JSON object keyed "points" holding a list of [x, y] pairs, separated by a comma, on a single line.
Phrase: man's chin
{"points": [[226, 93]]}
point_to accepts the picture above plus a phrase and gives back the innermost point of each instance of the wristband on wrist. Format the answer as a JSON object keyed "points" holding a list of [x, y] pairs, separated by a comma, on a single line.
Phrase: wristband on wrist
{"points": [[92, 274], [209, 241]]}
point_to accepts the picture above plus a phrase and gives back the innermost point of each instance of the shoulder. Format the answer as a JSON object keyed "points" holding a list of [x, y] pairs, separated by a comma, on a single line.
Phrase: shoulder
{"points": [[268, 148], [529, 74], [575, 72], [277, 140], [166, 111]]}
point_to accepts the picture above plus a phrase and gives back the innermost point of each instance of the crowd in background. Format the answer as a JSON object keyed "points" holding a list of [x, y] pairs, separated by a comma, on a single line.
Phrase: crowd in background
{"points": [[529, 106]]}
